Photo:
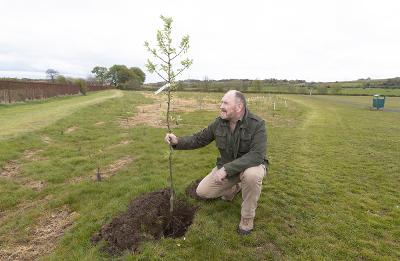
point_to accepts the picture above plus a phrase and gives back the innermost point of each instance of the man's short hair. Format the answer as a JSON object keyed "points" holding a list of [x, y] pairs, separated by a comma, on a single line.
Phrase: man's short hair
{"points": [[240, 98]]}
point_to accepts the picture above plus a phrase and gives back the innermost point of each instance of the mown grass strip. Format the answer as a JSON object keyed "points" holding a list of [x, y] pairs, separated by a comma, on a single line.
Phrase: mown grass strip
{"points": [[22, 118]]}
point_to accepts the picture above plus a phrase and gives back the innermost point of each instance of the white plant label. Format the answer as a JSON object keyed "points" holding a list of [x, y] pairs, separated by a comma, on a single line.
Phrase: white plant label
{"points": [[162, 88]]}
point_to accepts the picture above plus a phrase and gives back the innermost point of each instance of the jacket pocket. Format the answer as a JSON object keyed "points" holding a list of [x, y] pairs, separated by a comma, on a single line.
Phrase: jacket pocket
{"points": [[220, 139], [245, 142]]}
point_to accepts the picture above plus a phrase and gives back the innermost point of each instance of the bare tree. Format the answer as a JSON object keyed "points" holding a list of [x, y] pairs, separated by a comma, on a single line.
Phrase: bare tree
{"points": [[51, 73]]}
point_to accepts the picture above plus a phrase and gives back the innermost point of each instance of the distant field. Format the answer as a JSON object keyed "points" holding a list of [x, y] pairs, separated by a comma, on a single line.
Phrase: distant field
{"points": [[371, 91], [331, 192], [343, 91], [362, 102]]}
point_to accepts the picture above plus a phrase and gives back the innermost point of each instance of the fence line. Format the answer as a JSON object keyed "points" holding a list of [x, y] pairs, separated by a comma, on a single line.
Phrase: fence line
{"points": [[20, 91]]}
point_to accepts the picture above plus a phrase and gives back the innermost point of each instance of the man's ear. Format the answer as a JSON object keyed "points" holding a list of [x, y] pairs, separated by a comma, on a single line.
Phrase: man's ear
{"points": [[239, 106]]}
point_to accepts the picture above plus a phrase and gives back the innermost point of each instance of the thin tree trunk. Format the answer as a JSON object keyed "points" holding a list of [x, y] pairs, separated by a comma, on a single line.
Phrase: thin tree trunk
{"points": [[172, 191], [171, 200]]}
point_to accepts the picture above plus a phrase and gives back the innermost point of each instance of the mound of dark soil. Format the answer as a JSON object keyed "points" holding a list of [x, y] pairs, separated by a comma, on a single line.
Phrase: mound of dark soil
{"points": [[148, 218], [191, 190]]}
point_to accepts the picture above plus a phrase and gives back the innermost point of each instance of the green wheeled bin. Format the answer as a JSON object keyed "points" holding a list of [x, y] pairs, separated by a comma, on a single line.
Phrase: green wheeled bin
{"points": [[378, 101]]}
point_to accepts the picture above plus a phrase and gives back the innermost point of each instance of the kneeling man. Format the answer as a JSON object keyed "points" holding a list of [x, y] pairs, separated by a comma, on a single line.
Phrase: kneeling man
{"points": [[241, 140]]}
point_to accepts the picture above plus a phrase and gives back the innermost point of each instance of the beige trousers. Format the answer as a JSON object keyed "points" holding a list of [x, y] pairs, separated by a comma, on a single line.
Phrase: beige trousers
{"points": [[251, 181]]}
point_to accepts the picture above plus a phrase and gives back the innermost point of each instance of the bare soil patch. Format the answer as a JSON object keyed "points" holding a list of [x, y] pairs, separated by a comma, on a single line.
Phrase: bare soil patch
{"points": [[47, 139], [111, 169], [42, 238], [153, 115], [35, 184], [106, 172], [189, 105], [11, 169], [24, 207], [124, 142], [31, 155], [149, 115], [147, 218], [77, 180], [99, 123], [118, 164], [269, 247], [71, 129]]}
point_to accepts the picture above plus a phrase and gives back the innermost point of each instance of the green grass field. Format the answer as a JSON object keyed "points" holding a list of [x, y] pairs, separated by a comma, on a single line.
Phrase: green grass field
{"points": [[370, 91], [343, 91], [332, 191], [26, 117]]}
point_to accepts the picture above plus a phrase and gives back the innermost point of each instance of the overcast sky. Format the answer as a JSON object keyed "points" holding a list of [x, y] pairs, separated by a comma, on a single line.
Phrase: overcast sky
{"points": [[286, 39]]}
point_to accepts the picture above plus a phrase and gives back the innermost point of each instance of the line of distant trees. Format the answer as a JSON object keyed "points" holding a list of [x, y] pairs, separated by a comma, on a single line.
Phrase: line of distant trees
{"points": [[247, 85], [386, 83], [120, 76], [117, 76], [279, 86]]}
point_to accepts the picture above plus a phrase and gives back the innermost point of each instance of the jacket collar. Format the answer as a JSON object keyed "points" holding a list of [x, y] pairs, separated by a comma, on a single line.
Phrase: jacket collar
{"points": [[245, 119]]}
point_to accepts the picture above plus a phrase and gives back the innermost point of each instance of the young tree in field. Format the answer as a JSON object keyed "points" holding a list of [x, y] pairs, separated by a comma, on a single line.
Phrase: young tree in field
{"points": [[51, 73], [166, 55], [206, 83]]}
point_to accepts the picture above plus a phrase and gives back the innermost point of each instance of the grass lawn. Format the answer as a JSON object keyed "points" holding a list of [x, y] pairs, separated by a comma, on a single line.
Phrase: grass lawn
{"points": [[331, 91], [26, 117], [371, 91], [331, 192]]}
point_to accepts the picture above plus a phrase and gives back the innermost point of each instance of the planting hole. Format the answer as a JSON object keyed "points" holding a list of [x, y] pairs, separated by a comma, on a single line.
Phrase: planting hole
{"points": [[147, 218]]}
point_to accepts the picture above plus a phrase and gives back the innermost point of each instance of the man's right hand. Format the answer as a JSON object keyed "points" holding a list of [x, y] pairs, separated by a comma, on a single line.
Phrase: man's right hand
{"points": [[171, 139]]}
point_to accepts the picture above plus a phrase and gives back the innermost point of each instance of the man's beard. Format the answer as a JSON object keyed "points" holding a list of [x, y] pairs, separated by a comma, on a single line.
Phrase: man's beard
{"points": [[224, 115]]}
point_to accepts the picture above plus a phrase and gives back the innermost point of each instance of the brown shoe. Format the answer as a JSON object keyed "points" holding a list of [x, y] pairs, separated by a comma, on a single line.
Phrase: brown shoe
{"points": [[234, 190], [245, 226]]}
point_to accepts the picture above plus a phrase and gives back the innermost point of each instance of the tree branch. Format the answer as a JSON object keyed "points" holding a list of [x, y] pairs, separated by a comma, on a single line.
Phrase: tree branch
{"points": [[156, 55], [160, 75], [181, 70], [178, 54]]}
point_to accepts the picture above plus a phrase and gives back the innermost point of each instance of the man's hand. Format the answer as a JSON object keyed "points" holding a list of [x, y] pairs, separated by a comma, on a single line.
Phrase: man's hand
{"points": [[171, 139], [219, 175]]}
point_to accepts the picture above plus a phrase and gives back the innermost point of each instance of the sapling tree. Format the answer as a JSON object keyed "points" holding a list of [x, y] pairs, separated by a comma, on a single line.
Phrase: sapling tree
{"points": [[169, 65], [97, 156]]}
